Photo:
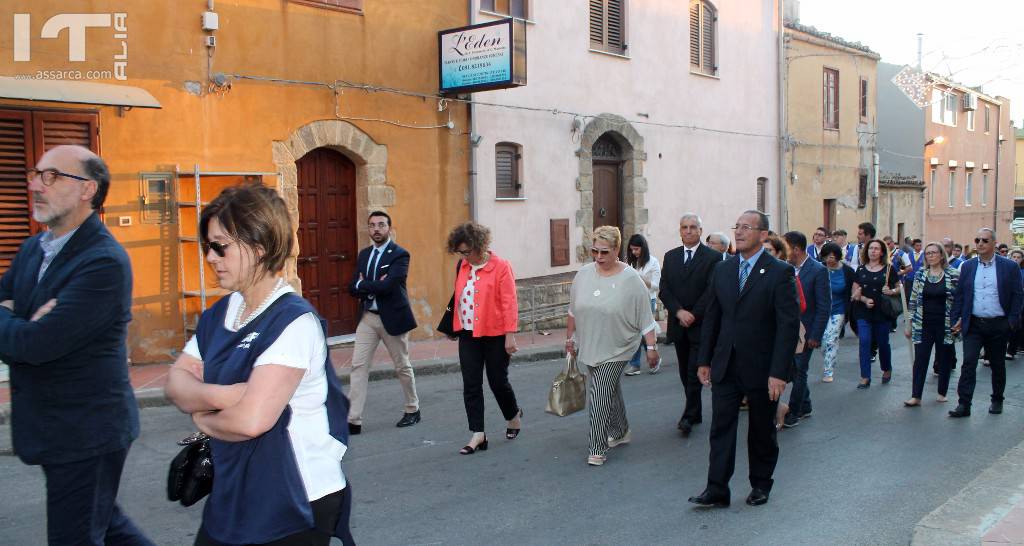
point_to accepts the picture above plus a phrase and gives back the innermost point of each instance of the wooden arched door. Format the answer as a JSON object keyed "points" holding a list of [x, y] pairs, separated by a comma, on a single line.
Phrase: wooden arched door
{"points": [[327, 236], [607, 169]]}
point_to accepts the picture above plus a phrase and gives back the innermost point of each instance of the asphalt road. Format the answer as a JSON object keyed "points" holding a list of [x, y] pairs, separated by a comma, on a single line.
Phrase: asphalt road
{"points": [[861, 470]]}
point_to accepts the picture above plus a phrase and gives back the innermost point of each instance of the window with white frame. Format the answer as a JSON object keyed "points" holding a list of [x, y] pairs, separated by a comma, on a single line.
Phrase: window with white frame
{"points": [[518, 9], [970, 120], [931, 190], [952, 188], [830, 98], [944, 107], [984, 189], [988, 116], [968, 188]]}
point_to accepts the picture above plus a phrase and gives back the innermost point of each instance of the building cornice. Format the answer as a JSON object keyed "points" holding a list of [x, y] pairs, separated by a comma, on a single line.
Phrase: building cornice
{"points": [[812, 35]]}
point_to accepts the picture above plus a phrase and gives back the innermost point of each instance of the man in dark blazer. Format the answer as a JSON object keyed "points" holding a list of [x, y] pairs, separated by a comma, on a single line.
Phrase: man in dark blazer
{"points": [[747, 343], [986, 306], [818, 297], [685, 276], [65, 305], [384, 315]]}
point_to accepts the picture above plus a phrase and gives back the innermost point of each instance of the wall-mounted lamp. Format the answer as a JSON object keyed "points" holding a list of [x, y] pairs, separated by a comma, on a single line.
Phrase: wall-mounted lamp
{"points": [[937, 140]]}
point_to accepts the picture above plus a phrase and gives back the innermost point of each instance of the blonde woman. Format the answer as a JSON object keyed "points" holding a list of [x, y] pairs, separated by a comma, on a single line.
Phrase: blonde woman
{"points": [[609, 312], [931, 320]]}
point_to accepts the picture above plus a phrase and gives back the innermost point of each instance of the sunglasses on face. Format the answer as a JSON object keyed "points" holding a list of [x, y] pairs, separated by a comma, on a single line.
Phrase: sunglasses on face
{"points": [[600, 251], [979, 240], [49, 176], [217, 248]]}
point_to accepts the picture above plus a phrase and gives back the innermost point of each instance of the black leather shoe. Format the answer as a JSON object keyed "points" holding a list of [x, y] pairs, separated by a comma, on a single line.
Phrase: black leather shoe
{"points": [[409, 419], [996, 408], [354, 429], [685, 427], [790, 421], [757, 497], [961, 411], [711, 501]]}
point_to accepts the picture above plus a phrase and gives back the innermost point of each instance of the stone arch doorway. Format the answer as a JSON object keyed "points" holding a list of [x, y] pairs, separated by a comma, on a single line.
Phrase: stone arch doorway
{"points": [[611, 158], [338, 145]]}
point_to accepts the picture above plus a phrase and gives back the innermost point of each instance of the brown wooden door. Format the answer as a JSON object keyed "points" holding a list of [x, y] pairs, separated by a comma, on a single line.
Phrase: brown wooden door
{"points": [[607, 193], [327, 236]]}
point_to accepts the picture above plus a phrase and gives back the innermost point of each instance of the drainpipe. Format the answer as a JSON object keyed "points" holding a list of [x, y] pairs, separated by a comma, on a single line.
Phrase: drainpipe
{"points": [[473, 140], [874, 191], [999, 143], [783, 216]]}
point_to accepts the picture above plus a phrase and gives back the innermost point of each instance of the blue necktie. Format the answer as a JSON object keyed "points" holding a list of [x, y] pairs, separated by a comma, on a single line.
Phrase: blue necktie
{"points": [[744, 272], [371, 270], [689, 256]]}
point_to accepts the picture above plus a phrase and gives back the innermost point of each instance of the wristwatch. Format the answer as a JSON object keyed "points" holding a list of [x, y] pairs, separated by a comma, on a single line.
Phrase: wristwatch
{"points": [[652, 347]]}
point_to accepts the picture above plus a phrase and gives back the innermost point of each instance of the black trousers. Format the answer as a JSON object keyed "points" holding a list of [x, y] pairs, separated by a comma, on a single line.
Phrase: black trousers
{"points": [[762, 447], [477, 354], [1015, 341], [326, 512], [686, 354], [990, 334], [81, 507], [933, 332]]}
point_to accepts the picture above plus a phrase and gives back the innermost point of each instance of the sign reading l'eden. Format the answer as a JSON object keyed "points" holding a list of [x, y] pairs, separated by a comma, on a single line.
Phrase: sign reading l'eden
{"points": [[482, 57]]}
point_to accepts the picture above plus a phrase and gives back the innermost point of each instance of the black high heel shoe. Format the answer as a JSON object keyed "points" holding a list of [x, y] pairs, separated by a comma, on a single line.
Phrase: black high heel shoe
{"points": [[886, 378], [512, 433], [469, 450]]}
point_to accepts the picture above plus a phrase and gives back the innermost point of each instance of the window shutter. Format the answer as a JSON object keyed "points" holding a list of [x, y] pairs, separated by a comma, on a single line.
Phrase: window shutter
{"points": [[695, 34], [559, 242], [707, 40], [762, 193], [597, 23], [506, 170], [616, 38], [16, 155], [54, 129]]}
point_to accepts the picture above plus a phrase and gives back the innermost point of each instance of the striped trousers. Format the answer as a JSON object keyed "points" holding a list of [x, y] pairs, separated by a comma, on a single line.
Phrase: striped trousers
{"points": [[607, 409]]}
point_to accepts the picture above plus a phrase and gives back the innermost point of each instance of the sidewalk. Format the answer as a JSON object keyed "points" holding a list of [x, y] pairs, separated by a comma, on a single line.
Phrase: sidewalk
{"points": [[428, 357]]}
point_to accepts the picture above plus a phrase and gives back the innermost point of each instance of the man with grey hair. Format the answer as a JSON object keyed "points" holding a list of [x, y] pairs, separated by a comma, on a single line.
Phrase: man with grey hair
{"points": [[685, 275], [719, 241], [986, 307], [65, 305]]}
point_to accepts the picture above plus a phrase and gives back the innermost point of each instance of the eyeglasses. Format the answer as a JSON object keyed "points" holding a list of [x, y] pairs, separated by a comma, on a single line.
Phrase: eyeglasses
{"points": [[746, 227], [979, 240], [602, 251], [217, 248], [49, 176], [464, 253]]}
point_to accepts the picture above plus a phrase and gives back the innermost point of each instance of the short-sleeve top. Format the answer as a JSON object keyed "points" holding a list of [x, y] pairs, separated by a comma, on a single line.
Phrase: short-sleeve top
{"points": [[651, 272], [871, 287], [611, 314], [301, 345]]}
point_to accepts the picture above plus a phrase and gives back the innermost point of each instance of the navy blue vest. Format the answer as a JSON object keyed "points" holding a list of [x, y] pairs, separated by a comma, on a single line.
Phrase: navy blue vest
{"points": [[258, 495]]}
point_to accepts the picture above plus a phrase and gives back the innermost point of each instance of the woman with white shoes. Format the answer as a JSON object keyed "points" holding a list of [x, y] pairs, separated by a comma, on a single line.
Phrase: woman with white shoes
{"points": [[609, 312], [638, 256]]}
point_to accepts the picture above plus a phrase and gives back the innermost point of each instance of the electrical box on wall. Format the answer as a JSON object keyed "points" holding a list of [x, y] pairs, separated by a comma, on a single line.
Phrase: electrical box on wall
{"points": [[211, 21]]}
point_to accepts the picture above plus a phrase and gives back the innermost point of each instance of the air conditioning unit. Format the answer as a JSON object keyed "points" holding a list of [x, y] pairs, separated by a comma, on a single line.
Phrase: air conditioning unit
{"points": [[970, 101]]}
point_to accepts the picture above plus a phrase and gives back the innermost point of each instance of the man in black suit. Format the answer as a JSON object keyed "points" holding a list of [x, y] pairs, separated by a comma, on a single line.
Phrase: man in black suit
{"points": [[65, 305], [747, 343], [685, 276], [384, 315], [818, 297]]}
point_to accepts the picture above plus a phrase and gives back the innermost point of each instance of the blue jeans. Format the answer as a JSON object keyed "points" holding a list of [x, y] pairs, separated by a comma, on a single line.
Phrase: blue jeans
{"points": [[879, 333], [641, 350], [800, 396]]}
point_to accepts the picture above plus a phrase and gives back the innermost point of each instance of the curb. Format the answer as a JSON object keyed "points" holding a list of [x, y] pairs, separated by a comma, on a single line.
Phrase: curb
{"points": [[974, 510], [154, 397]]}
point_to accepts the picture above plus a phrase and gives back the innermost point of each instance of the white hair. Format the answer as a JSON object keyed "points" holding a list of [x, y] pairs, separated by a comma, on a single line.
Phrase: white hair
{"points": [[691, 216], [990, 231], [722, 238]]}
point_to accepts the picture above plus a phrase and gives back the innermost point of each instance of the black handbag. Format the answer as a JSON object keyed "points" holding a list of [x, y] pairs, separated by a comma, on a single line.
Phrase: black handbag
{"points": [[891, 307], [446, 326], [190, 477]]}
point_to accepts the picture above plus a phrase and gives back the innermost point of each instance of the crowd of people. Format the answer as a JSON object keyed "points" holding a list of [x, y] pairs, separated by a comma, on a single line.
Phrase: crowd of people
{"points": [[745, 315]]}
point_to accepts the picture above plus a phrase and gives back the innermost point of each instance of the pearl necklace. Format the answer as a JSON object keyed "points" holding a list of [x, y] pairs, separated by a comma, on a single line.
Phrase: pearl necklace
{"points": [[239, 323]]}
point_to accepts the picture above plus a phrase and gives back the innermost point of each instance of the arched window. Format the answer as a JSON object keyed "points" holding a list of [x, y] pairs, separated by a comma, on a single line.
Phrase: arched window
{"points": [[703, 35], [507, 170]]}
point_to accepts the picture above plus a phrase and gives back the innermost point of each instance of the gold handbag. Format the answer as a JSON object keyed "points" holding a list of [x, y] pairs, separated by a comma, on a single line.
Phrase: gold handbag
{"points": [[568, 391]]}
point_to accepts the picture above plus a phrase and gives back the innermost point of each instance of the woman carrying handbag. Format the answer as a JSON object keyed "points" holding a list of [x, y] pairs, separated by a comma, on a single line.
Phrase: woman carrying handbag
{"points": [[874, 281]]}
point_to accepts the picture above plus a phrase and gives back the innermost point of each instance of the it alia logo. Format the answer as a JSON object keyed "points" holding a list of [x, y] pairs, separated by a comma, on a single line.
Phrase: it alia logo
{"points": [[247, 340], [76, 25]]}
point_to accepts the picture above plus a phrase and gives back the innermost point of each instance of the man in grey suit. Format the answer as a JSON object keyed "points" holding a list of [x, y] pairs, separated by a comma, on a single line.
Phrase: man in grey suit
{"points": [[818, 296]]}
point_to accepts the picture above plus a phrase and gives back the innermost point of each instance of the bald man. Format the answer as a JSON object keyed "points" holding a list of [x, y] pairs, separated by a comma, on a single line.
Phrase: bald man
{"points": [[65, 305]]}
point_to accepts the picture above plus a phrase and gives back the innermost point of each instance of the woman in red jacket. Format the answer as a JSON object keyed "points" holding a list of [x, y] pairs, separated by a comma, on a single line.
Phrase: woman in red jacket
{"points": [[485, 318]]}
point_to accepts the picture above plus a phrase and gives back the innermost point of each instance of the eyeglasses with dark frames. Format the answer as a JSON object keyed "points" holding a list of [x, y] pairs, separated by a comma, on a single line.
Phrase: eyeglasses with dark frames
{"points": [[217, 248], [49, 176], [602, 251], [464, 253]]}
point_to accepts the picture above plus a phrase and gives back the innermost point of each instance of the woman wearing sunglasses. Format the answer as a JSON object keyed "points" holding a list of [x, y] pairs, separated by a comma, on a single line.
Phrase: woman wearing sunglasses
{"points": [[609, 312], [485, 319], [257, 379]]}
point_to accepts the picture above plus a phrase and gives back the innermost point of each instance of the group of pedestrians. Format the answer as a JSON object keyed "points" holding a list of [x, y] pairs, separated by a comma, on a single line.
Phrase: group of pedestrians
{"points": [[745, 314]]}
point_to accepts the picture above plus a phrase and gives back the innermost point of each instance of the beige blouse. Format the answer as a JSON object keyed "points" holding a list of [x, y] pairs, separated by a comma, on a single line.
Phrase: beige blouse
{"points": [[611, 314]]}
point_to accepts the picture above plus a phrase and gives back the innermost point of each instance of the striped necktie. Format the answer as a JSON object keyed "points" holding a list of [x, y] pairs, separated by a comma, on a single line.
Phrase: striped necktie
{"points": [[744, 273]]}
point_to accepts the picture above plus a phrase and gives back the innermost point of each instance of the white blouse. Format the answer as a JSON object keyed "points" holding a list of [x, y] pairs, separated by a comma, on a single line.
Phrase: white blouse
{"points": [[651, 272], [466, 314]]}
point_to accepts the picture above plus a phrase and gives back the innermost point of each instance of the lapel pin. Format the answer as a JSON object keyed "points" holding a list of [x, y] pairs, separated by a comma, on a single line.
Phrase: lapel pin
{"points": [[761, 272]]}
